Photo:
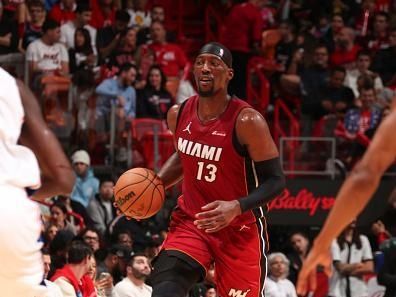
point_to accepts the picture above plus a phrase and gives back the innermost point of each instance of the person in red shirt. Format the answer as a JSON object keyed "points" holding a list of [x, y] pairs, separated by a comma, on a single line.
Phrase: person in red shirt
{"points": [[64, 11], [72, 278], [346, 50], [169, 56], [230, 169], [242, 35], [103, 13]]}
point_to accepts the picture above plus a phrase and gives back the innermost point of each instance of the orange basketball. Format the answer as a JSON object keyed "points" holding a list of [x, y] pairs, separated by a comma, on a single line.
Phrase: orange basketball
{"points": [[139, 193]]}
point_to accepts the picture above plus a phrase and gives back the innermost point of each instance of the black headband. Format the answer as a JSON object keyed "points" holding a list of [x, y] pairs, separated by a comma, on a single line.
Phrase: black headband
{"points": [[219, 50]]}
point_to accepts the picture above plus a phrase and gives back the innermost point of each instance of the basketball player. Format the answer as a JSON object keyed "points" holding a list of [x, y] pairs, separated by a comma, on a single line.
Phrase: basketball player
{"points": [[360, 185], [21, 268], [230, 169]]}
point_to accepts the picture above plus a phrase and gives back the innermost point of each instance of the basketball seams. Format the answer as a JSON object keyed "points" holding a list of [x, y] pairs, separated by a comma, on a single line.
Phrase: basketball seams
{"points": [[157, 189], [129, 184], [145, 189]]}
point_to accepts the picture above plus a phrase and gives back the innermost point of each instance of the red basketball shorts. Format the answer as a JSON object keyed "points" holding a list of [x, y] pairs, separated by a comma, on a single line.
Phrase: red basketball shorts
{"points": [[238, 253]]}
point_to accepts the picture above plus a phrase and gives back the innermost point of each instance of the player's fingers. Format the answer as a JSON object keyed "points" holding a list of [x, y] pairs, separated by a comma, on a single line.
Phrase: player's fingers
{"points": [[216, 228], [208, 214], [211, 205], [205, 223]]}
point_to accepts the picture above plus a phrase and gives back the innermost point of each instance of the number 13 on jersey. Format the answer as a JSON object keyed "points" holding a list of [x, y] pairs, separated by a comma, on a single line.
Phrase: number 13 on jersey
{"points": [[206, 172]]}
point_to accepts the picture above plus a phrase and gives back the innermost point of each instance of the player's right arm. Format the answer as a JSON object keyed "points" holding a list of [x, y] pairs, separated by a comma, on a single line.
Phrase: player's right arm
{"points": [[360, 185], [57, 174], [171, 172]]}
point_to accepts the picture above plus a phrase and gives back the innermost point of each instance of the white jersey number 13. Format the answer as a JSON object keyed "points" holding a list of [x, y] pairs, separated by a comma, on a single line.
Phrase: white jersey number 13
{"points": [[210, 172]]}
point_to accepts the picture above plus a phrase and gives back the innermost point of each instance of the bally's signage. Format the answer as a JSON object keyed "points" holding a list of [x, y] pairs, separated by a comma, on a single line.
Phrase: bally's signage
{"points": [[308, 202]]}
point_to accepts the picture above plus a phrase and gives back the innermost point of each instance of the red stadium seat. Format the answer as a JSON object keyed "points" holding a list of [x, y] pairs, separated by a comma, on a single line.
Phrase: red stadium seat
{"points": [[165, 148], [143, 125]]}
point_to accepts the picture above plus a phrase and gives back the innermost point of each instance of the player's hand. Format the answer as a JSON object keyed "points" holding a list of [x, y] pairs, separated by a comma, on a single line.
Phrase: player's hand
{"points": [[217, 215], [319, 255]]}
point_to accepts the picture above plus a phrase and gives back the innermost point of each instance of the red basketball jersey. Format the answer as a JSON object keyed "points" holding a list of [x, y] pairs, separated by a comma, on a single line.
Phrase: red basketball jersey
{"points": [[215, 165]]}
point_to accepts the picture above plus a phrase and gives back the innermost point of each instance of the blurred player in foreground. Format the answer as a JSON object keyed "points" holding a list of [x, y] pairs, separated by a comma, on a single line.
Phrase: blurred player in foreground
{"points": [[360, 185], [28, 149]]}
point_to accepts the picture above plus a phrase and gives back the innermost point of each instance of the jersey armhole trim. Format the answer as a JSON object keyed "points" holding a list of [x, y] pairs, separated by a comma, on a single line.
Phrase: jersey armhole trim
{"points": [[180, 112], [239, 148]]}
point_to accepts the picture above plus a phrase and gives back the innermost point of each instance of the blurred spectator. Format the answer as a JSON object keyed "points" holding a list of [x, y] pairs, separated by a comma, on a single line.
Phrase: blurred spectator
{"points": [[87, 185], [104, 283], [46, 55], [64, 11], [50, 233], [384, 62], [387, 274], [52, 289], [287, 46], [154, 100], [321, 27], [133, 285], [8, 35], [140, 231], [59, 217], [115, 262], [346, 50], [82, 19], [363, 63], [33, 28], [211, 291], [242, 36], [81, 55], [69, 278], [367, 116], [334, 97], [124, 237], [337, 23], [380, 232], [100, 209], [157, 15], [140, 17], [379, 38], [352, 259], [103, 13], [91, 237], [268, 15], [277, 284], [301, 245], [117, 91], [109, 37], [169, 56], [58, 249], [307, 81], [125, 51]]}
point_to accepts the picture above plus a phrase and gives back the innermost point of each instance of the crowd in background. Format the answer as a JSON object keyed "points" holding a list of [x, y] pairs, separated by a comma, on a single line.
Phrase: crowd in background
{"points": [[332, 63]]}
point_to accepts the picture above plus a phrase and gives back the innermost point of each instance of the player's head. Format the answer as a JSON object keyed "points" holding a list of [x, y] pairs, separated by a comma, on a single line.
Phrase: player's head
{"points": [[213, 69]]}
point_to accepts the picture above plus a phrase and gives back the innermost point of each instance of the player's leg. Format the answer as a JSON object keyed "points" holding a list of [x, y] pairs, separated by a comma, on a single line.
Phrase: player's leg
{"points": [[240, 262], [174, 274], [21, 269], [183, 260]]}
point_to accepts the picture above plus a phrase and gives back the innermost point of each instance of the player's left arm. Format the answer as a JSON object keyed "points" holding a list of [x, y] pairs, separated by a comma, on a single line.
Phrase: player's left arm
{"points": [[253, 133]]}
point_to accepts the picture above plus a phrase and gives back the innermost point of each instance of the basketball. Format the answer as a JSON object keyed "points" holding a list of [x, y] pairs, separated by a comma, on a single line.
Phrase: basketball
{"points": [[139, 193]]}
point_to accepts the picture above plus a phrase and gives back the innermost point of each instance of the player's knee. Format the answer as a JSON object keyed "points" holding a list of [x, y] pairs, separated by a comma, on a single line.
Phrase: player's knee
{"points": [[168, 289], [175, 273]]}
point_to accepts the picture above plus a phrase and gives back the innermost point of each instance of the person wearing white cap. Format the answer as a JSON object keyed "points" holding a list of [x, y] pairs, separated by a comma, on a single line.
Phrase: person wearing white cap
{"points": [[87, 185]]}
